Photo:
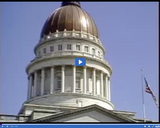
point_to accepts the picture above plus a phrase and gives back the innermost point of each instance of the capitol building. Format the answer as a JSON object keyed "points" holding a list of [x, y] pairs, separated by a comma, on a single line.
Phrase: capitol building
{"points": [[60, 91]]}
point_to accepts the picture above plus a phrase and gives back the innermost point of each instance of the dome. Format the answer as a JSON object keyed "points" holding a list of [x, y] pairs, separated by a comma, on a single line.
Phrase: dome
{"points": [[70, 16]]}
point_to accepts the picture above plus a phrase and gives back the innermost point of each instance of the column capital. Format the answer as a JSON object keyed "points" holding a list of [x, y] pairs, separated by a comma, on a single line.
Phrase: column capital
{"points": [[107, 75], [35, 71], [63, 66], [31, 74], [42, 68], [94, 69]]}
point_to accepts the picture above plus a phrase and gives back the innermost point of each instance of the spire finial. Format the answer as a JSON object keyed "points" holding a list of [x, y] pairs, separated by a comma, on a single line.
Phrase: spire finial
{"points": [[76, 3]]}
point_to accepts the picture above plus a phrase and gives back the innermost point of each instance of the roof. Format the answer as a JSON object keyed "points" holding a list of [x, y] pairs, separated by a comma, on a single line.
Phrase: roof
{"points": [[70, 17], [110, 113]]}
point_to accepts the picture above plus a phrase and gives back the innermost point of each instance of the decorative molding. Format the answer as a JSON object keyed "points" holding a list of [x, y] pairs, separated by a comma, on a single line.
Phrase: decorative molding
{"points": [[69, 34]]}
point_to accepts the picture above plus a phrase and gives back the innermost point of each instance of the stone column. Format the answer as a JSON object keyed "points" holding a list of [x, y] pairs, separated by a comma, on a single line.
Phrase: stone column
{"points": [[102, 84], [106, 84], [35, 83], [63, 79], [109, 90], [32, 95], [74, 79], [42, 81], [84, 80], [94, 82], [30, 86], [52, 80]]}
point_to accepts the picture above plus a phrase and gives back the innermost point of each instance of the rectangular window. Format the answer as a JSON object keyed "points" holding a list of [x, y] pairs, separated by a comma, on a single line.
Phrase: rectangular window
{"points": [[98, 53], [93, 51], [60, 47], [51, 48], [86, 48], [69, 47], [58, 82], [78, 47], [102, 56], [44, 50], [77, 82], [39, 53]]}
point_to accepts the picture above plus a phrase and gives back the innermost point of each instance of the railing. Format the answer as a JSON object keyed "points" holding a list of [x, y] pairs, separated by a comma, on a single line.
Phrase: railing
{"points": [[70, 34], [16, 118]]}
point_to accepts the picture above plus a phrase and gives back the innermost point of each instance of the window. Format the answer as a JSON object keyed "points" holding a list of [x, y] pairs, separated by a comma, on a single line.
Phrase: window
{"points": [[39, 53], [78, 47], [58, 82], [86, 48], [98, 53], [69, 47], [51, 48], [77, 82], [93, 50], [60, 47], [44, 50], [102, 56]]}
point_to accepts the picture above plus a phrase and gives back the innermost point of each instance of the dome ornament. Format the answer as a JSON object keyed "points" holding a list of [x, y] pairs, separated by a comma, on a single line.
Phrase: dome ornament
{"points": [[76, 3]]}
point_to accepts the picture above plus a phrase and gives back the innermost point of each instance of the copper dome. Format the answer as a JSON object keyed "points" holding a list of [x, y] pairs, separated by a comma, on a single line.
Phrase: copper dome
{"points": [[70, 16]]}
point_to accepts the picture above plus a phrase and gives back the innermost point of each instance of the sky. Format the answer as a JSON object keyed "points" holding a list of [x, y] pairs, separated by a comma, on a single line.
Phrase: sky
{"points": [[128, 31]]}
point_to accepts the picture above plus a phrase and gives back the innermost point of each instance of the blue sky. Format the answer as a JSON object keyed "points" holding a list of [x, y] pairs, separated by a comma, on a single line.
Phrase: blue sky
{"points": [[128, 31]]}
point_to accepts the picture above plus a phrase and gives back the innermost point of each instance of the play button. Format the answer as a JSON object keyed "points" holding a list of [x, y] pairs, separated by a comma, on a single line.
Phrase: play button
{"points": [[80, 61]]}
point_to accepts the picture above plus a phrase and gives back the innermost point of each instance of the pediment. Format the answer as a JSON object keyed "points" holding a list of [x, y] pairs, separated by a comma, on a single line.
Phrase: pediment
{"points": [[92, 113]]}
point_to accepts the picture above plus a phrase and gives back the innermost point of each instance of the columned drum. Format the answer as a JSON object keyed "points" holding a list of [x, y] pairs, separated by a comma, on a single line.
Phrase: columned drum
{"points": [[53, 79]]}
